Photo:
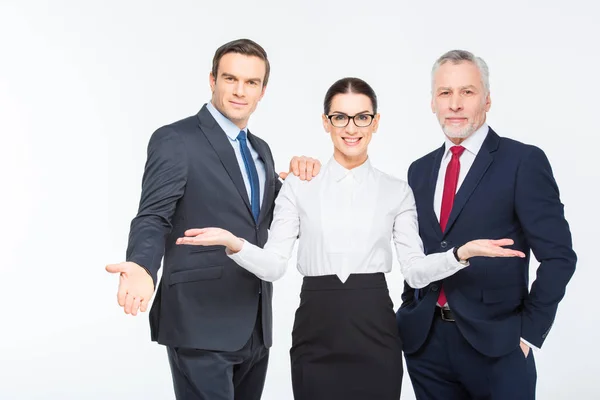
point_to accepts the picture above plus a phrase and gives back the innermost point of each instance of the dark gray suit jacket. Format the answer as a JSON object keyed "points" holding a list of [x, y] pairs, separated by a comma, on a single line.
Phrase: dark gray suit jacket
{"points": [[192, 180]]}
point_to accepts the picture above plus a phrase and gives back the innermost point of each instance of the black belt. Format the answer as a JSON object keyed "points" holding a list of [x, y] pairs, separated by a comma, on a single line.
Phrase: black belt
{"points": [[445, 313]]}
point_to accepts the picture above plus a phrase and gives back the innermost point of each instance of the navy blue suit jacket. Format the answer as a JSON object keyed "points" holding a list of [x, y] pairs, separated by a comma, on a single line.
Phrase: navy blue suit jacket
{"points": [[509, 192], [192, 179]]}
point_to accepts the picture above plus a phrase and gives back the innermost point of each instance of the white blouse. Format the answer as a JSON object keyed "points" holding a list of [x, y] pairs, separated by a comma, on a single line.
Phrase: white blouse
{"points": [[345, 220]]}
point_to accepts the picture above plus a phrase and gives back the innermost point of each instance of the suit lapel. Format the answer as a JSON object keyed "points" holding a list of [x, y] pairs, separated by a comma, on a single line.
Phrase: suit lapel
{"points": [[482, 162], [269, 175], [220, 143], [435, 169]]}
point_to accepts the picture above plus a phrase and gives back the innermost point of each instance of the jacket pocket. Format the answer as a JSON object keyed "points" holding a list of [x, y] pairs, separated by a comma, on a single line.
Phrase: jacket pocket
{"points": [[200, 274], [205, 249]]}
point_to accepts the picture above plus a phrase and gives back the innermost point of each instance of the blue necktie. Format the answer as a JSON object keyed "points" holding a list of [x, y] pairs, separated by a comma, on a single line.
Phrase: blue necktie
{"points": [[252, 175]]}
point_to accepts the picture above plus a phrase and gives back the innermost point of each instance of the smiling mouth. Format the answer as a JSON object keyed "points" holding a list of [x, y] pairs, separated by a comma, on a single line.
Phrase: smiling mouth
{"points": [[455, 120], [351, 141]]}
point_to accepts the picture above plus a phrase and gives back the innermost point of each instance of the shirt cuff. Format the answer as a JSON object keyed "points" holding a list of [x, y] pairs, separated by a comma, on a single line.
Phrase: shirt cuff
{"points": [[239, 254], [452, 261], [529, 344]]}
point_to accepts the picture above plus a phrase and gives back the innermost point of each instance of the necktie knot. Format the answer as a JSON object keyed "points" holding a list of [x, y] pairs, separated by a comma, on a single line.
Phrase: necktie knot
{"points": [[457, 150], [241, 136]]}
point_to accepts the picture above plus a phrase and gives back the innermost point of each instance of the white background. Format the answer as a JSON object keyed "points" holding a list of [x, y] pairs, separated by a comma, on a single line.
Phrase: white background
{"points": [[84, 84]]}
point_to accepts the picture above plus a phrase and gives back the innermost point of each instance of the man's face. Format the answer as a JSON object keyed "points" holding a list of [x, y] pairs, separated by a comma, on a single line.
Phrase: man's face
{"points": [[238, 87], [459, 99]]}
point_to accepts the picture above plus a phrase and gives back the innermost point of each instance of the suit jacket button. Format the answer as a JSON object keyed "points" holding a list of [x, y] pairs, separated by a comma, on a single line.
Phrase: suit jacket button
{"points": [[444, 244], [434, 288]]}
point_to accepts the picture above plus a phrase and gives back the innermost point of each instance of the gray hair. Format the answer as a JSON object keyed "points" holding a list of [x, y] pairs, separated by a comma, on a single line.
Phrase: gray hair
{"points": [[458, 56]]}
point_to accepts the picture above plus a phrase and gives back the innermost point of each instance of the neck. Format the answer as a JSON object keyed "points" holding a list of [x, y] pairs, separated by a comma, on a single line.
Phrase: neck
{"points": [[457, 141], [350, 162], [240, 123]]}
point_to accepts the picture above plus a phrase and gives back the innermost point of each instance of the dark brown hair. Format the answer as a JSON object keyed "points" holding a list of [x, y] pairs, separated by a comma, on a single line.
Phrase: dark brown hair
{"points": [[246, 47], [349, 85]]}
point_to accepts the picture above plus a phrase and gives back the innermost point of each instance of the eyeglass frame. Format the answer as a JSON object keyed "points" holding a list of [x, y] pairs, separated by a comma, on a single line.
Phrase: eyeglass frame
{"points": [[349, 119]]}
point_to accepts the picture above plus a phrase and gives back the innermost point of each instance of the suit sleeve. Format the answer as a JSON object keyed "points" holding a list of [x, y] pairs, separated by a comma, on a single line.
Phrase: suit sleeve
{"points": [[163, 184], [541, 215]]}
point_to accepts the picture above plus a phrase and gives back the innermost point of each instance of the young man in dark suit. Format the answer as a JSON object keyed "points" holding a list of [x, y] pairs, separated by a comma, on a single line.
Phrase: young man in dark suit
{"points": [[208, 170]]}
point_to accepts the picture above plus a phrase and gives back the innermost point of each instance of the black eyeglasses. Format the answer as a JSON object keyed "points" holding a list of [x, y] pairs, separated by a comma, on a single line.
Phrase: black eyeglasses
{"points": [[342, 120]]}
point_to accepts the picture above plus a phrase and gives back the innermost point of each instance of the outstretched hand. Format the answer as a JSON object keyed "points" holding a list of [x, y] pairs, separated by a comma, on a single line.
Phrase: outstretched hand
{"points": [[211, 237], [488, 248], [136, 286]]}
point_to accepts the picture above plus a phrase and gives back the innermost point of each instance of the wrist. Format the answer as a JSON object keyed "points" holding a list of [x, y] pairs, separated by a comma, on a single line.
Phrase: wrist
{"points": [[461, 254], [235, 244]]}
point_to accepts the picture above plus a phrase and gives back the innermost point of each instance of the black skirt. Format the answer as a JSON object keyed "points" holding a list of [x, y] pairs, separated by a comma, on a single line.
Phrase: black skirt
{"points": [[345, 342]]}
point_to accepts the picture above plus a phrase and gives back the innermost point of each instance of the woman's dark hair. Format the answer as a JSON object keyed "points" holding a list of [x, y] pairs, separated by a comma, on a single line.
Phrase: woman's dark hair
{"points": [[349, 85]]}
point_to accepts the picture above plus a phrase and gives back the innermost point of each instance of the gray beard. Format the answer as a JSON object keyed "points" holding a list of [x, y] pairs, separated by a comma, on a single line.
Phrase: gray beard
{"points": [[465, 133]]}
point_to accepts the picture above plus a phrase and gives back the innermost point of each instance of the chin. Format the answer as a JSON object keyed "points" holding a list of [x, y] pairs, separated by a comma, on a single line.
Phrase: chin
{"points": [[459, 134]]}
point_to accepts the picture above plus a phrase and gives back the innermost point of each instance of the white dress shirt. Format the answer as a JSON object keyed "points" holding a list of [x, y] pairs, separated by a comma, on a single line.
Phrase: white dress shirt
{"points": [[472, 146], [345, 220], [232, 131]]}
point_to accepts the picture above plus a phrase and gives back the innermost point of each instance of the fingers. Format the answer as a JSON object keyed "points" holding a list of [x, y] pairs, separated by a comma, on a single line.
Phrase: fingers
{"points": [[114, 268], [186, 240], [136, 305], [302, 167], [512, 253], [194, 232], [309, 169], [122, 292], [283, 175], [502, 242], [502, 252], [507, 252], [144, 305], [128, 303], [294, 166], [316, 168]]}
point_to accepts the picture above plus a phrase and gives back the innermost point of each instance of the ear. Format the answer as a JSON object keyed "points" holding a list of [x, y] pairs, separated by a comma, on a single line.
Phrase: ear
{"points": [[432, 105], [488, 102], [326, 124], [262, 93], [376, 122], [212, 81]]}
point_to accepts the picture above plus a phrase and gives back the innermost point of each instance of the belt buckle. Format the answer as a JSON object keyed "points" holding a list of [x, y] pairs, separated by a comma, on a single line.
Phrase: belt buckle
{"points": [[444, 317]]}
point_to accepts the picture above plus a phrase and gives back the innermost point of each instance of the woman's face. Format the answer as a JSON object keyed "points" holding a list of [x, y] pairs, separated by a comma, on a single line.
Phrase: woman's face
{"points": [[351, 136]]}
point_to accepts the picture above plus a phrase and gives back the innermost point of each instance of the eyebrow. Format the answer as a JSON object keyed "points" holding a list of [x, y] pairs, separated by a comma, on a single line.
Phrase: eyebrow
{"points": [[441, 89], [360, 112], [227, 75]]}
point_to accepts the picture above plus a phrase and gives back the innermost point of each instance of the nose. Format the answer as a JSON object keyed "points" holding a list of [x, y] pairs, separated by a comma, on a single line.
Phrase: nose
{"points": [[238, 89], [456, 103], [351, 128]]}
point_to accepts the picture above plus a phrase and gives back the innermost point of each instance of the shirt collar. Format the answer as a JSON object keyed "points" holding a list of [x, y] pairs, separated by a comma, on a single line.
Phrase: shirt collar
{"points": [[231, 130], [473, 143], [338, 172]]}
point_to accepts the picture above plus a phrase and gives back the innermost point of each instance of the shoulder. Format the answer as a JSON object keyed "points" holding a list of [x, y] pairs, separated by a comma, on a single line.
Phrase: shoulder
{"points": [[295, 182], [424, 162], [391, 183], [520, 151], [176, 128]]}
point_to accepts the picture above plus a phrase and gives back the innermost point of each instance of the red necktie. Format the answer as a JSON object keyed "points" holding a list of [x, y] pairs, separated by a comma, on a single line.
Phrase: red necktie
{"points": [[450, 183]]}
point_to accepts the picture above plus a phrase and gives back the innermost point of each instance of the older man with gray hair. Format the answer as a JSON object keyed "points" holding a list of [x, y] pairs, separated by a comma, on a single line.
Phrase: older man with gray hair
{"points": [[469, 335]]}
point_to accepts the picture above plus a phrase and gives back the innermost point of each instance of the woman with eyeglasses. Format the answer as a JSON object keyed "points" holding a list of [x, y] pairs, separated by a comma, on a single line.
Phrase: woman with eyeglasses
{"points": [[345, 342]]}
